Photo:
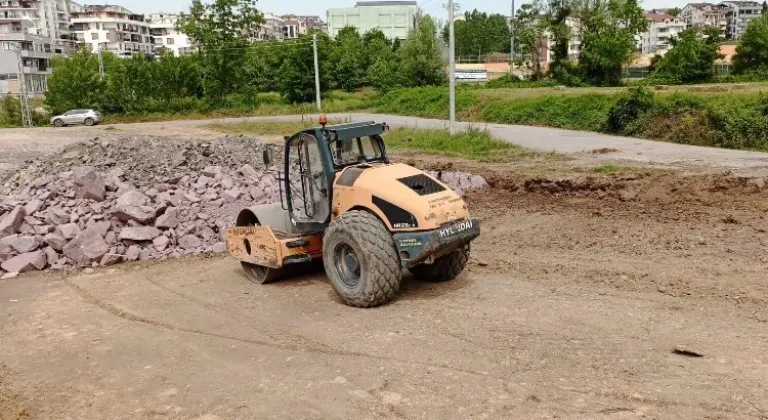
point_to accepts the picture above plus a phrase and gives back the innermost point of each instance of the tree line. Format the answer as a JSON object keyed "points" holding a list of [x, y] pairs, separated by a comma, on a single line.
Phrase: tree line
{"points": [[229, 70], [607, 31]]}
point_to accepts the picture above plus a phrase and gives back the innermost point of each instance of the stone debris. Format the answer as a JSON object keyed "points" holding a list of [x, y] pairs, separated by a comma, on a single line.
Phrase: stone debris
{"points": [[11, 222], [99, 203]]}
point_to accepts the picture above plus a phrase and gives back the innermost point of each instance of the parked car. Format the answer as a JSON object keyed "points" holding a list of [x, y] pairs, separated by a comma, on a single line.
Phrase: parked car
{"points": [[78, 116]]}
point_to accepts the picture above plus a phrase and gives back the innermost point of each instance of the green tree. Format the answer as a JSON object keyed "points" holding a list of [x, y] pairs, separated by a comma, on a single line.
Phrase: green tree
{"points": [[529, 29], [675, 11], [752, 51], [420, 60], [480, 33], [262, 64], [75, 82], [608, 32], [221, 28], [375, 43], [297, 72], [556, 16], [396, 44], [348, 60], [691, 59]]}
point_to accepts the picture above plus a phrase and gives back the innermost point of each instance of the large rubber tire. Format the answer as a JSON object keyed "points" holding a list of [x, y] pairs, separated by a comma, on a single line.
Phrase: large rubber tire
{"points": [[445, 268], [58, 123], [374, 254], [89, 122]]}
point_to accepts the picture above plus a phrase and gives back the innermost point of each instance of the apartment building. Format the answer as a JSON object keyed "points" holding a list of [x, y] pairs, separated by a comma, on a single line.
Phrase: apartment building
{"points": [[396, 18], [165, 37], [738, 14], [305, 23], [704, 15], [44, 18], [662, 27], [111, 28], [271, 29], [36, 53]]}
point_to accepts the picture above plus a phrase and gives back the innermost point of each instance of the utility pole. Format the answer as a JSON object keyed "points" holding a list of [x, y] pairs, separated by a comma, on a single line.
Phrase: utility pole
{"points": [[101, 63], [317, 73], [26, 114], [512, 39], [451, 69]]}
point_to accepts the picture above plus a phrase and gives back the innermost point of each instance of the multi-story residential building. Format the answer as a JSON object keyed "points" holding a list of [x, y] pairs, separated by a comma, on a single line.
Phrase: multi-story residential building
{"points": [[704, 15], [306, 23], [271, 29], [162, 27], [738, 14], [662, 27], [46, 18], [36, 54], [111, 28], [396, 18]]}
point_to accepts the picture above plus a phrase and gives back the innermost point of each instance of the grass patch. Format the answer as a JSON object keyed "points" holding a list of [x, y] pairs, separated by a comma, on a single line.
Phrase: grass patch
{"points": [[473, 144], [608, 169]]}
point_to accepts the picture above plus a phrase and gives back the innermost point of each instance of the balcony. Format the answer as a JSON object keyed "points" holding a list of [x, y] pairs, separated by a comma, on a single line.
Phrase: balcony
{"points": [[36, 70]]}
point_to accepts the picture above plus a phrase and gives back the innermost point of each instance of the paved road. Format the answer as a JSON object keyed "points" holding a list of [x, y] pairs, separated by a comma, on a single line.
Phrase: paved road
{"points": [[27, 143]]}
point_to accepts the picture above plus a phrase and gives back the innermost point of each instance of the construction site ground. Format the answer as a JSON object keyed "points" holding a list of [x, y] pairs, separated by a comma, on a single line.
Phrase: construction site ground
{"points": [[610, 286]]}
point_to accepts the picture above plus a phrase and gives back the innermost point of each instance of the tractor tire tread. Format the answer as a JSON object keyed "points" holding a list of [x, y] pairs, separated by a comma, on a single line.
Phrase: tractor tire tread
{"points": [[445, 268], [379, 249]]}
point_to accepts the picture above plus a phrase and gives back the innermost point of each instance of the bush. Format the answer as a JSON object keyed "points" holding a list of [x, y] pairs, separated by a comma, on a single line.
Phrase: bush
{"points": [[628, 108], [431, 102], [10, 112], [578, 112], [509, 81]]}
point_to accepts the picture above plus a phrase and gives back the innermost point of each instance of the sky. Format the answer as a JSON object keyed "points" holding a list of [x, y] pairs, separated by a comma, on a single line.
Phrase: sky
{"points": [[314, 7]]}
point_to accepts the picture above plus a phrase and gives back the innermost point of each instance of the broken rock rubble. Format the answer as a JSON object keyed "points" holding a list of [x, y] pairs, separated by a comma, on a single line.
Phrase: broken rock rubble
{"points": [[85, 218]]}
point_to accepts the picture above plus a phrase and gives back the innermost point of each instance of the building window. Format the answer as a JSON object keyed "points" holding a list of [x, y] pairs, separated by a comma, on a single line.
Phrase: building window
{"points": [[95, 35], [170, 41]]}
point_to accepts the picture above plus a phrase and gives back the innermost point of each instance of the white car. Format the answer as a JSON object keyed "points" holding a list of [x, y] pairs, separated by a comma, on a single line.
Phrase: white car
{"points": [[78, 116]]}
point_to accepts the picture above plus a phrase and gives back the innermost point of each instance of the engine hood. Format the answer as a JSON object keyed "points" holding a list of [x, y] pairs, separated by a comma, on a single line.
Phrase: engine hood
{"points": [[404, 197]]}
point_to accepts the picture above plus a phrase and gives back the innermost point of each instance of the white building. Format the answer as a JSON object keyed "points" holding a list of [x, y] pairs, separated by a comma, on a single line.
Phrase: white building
{"points": [[704, 15], [662, 27], [395, 18], [45, 18], [738, 14], [271, 29], [305, 23], [111, 28], [162, 27]]}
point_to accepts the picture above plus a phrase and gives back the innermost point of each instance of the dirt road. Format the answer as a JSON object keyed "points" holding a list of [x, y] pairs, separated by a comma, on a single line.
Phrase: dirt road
{"points": [[578, 291]]}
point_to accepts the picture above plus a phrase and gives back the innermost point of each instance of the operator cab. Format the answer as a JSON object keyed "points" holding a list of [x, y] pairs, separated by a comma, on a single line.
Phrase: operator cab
{"points": [[311, 160]]}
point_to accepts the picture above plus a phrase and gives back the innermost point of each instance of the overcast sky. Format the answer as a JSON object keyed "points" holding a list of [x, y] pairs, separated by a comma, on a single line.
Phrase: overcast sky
{"points": [[314, 7]]}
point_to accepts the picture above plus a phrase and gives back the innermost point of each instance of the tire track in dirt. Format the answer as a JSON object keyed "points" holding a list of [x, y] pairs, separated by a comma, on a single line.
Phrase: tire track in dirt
{"points": [[130, 316], [299, 341]]}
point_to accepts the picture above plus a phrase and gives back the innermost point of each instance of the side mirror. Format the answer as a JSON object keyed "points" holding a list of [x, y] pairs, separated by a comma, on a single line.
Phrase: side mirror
{"points": [[269, 157]]}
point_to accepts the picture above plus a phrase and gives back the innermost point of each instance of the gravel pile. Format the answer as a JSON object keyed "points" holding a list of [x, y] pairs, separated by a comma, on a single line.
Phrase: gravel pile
{"points": [[144, 160], [99, 203]]}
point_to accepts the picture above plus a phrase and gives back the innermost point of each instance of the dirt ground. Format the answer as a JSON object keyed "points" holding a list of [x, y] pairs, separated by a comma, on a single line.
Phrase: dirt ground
{"points": [[579, 291]]}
